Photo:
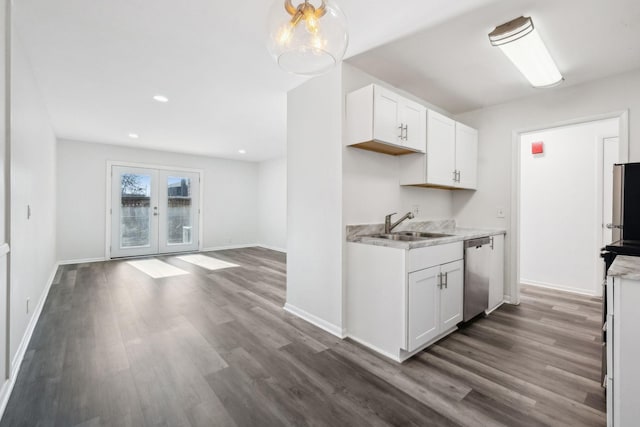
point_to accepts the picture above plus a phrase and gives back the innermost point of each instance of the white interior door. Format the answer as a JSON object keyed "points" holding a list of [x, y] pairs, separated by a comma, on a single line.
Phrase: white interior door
{"points": [[153, 211]]}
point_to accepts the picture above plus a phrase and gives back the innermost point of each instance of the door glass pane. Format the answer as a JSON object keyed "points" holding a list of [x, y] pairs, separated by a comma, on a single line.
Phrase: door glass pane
{"points": [[135, 210], [179, 211]]}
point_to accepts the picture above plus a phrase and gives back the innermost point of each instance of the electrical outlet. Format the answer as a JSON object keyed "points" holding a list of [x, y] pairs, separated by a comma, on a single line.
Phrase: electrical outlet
{"points": [[28, 300], [416, 210], [500, 212]]}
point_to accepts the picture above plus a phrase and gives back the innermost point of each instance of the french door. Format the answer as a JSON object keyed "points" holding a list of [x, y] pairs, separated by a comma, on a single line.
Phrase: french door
{"points": [[153, 211]]}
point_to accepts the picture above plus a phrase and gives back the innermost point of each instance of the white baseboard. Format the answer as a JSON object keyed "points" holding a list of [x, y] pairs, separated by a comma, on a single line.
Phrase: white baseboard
{"points": [[273, 248], [224, 248], [394, 357], [81, 261], [7, 388], [314, 320], [560, 288]]}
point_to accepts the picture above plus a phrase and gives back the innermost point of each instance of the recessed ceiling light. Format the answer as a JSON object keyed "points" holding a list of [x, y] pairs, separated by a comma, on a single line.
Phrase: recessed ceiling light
{"points": [[161, 98], [134, 136], [242, 151]]}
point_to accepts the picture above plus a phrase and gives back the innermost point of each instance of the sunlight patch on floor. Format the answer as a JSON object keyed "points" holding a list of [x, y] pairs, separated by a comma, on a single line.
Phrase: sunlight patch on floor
{"points": [[206, 262], [156, 268]]}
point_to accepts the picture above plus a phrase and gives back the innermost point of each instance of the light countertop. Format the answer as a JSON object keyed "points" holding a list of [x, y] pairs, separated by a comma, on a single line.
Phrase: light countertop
{"points": [[358, 234], [625, 267]]}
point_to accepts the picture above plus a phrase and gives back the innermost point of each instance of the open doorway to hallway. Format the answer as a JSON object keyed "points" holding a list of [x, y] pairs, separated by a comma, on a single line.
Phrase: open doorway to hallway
{"points": [[564, 198]]}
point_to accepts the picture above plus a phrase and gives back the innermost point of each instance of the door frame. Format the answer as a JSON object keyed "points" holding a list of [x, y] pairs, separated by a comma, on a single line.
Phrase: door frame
{"points": [[107, 216], [516, 144]]}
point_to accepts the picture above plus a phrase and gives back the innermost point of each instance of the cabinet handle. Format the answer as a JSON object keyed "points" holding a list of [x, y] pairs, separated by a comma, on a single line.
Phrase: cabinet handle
{"points": [[459, 173], [455, 176], [439, 280], [446, 280], [491, 242], [401, 127], [406, 132]]}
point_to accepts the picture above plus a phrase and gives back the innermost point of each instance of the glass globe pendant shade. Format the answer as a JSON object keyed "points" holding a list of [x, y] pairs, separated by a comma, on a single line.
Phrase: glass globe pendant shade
{"points": [[307, 38]]}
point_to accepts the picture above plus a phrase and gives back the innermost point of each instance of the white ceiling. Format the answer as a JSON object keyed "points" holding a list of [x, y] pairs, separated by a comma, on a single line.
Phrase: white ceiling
{"points": [[98, 63], [454, 66]]}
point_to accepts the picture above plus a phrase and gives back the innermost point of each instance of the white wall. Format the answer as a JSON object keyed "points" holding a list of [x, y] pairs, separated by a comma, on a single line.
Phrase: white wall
{"points": [[272, 204], [229, 205], [496, 125], [560, 207], [33, 182], [331, 186], [371, 181], [314, 207]]}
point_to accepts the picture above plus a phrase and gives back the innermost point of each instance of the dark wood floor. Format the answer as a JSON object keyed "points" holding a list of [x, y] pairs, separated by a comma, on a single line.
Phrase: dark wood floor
{"points": [[114, 347]]}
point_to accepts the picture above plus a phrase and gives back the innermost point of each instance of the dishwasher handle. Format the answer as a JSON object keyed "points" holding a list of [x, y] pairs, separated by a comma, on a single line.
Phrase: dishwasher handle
{"points": [[476, 243]]}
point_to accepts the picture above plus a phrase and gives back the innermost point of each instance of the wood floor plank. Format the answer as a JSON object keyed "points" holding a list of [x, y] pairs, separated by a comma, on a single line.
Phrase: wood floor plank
{"points": [[115, 347]]}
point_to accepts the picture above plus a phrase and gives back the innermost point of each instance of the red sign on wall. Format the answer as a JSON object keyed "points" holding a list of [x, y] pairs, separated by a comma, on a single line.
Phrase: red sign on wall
{"points": [[537, 147]]}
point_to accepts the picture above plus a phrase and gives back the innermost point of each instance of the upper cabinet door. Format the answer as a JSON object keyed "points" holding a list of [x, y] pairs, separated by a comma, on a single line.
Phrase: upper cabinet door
{"points": [[466, 156], [452, 294], [441, 149], [386, 107], [414, 121]]}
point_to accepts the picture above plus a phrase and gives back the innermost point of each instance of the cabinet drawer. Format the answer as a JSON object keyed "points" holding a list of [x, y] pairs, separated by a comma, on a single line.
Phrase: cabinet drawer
{"points": [[420, 258]]}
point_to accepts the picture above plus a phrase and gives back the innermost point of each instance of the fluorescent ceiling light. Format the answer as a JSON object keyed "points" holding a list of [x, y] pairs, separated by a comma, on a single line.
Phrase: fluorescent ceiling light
{"points": [[521, 43], [161, 98], [242, 151], [134, 136]]}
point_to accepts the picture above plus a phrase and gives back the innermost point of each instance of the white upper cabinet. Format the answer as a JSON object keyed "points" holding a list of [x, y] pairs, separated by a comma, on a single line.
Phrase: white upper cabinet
{"points": [[451, 160], [414, 121], [378, 119], [466, 156], [441, 150]]}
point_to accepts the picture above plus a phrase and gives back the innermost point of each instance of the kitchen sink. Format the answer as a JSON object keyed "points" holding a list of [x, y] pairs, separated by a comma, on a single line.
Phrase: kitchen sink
{"points": [[408, 236], [423, 234]]}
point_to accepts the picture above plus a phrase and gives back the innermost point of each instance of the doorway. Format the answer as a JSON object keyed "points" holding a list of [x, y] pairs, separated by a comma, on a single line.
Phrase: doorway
{"points": [[153, 211], [597, 182]]}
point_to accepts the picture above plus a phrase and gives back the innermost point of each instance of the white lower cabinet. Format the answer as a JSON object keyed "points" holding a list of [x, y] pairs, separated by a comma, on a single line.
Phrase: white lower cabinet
{"points": [[496, 276], [400, 301], [434, 302], [424, 307], [623, 352]]}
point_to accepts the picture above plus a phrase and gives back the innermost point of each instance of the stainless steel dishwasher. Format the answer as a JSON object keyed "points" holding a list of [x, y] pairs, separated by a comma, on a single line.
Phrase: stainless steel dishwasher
{"points": [[477, 262]]}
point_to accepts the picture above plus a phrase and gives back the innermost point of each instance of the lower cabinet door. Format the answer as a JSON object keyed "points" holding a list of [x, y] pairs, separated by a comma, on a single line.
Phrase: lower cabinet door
{"points": [[452, 294], [423, 307]]}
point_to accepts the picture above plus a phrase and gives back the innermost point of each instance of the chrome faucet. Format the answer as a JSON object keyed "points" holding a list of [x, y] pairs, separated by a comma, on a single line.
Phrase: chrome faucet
{"points": [[387, 221]]}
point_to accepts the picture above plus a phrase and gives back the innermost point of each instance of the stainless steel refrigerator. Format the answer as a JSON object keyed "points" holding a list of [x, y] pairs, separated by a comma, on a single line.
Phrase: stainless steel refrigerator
{"points": [[626, 208]]}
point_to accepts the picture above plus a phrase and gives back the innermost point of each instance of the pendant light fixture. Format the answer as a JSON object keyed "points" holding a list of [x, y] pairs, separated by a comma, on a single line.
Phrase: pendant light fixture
{"points": [[521, 43], [307, 39]]}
